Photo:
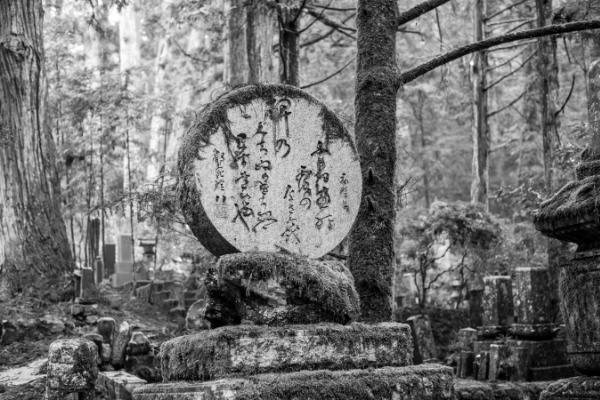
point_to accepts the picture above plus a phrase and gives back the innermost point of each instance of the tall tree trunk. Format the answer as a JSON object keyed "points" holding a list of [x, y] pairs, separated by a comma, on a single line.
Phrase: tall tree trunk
{"points": [[248, 53], [371, 253], [159, 121], [289, 43], [236, 60], [34, 250], [548, 81], [260, 28], [481, 134]]}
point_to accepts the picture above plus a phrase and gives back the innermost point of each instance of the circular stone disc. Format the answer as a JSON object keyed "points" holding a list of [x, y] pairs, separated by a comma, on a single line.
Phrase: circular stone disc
{"points": [[266, 168]]}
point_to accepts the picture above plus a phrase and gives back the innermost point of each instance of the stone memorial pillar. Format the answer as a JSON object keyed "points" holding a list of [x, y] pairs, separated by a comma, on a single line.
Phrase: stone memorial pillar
{"points": [[124, 265], [270, 181], [497, 304], [109, 258], [573, 215]]}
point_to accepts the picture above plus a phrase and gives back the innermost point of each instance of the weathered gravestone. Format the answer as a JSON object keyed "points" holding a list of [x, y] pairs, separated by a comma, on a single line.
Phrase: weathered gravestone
{"points": [[269, 172], [269, 168]]}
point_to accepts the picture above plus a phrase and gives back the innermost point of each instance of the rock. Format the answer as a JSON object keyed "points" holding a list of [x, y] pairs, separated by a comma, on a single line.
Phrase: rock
{"points": [[23, 375], [119, 345], [279, 289], [247, 350], [476, 390], [138, 344], [95, 338], [106, 327], [72, 367], [194, 319], [431, 382], [423, 342], [285, 175], [91, 319], [118, 384], [577, 388]]}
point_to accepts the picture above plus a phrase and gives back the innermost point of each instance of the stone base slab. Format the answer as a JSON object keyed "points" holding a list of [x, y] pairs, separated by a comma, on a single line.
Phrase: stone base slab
{"points": [[552, 373], [117, 384], [533, 331], [244, 350], [578, 388], [474, 390], [423, 382]]}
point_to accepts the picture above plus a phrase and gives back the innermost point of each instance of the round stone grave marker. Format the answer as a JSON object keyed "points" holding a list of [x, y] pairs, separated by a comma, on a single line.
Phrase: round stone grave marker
{"points": [[269, 168]]}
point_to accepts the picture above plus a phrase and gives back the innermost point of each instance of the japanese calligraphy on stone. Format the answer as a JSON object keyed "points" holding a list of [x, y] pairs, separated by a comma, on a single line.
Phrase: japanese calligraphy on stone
{"points": [[274, 179]]}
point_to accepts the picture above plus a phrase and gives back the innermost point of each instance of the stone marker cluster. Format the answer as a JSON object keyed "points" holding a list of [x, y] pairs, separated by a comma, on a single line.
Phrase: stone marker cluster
{"points": [[518, 339]]}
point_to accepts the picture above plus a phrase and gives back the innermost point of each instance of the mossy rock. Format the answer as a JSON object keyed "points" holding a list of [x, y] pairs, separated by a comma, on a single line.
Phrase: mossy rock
{"points": [[278, 289], [423, 382], [239, 351]]}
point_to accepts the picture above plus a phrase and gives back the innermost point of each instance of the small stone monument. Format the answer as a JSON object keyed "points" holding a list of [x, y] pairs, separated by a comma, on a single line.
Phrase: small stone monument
{"points": [[269, 168], [270, 172], [124, 265]]}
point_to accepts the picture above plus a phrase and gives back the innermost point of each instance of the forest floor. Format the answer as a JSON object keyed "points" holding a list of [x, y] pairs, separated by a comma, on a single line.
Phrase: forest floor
{"points": [[39, 323]]}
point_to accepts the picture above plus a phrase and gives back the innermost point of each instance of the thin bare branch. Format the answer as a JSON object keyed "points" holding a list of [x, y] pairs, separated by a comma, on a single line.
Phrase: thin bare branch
{"points": [[419, 10], [514, 71], [329, 76], [436, 62], [512, 103]]}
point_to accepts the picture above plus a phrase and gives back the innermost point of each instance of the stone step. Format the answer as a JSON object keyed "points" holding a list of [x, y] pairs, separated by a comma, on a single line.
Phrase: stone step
{"points": [[117, 384], [249, 349], [424, 382], [552, 373]]}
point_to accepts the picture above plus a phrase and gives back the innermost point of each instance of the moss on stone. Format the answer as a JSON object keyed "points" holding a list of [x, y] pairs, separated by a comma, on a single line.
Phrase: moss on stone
{"points": [[241, 350], [424, 382], [326, 286]]}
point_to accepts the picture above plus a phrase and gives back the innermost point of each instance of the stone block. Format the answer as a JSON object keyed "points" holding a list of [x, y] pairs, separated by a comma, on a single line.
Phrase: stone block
{"points": [[498, 368], [119, 344], [518, 364], [423, 382], [476, 390], [118, 385], [481, 365], [543, 353], [577, 388], [145, 366], [138, 344], [534, 314], [466, 338], [423, 342], [124, 250], [497, 301], [106, 327], [72, 367], [247, 350], [465, 364], [109, 257], [122, 278], [279, 289]]}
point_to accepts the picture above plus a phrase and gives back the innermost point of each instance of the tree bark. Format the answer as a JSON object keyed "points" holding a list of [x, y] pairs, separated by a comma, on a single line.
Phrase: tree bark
{"points": [[34, 250], [371, 253], [481, 140], [260, 28], [289, 43], [236, 60]]}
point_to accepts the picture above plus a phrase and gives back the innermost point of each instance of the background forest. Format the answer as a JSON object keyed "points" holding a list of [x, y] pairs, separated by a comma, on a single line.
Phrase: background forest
{"points": [[127, 78]]}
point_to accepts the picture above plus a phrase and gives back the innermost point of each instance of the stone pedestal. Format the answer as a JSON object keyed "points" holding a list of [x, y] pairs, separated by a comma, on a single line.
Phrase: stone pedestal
{"points": [[424, 382]]}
